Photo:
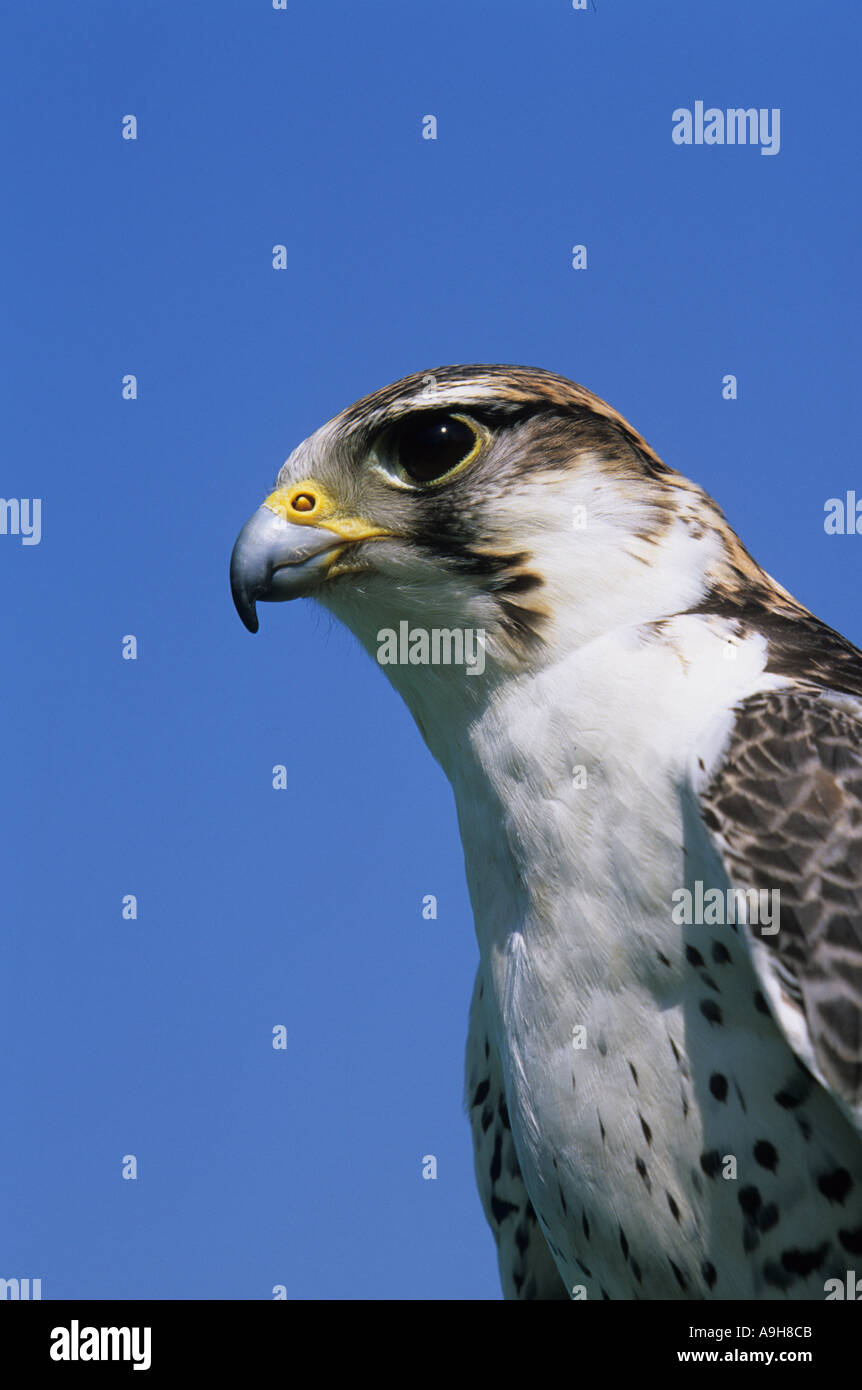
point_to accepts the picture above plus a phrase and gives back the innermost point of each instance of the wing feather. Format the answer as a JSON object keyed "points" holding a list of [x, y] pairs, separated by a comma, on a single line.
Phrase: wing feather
{"points": [[785, 809]]}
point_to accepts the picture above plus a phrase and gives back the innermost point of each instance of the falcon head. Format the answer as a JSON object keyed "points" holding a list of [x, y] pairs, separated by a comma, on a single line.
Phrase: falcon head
{"points": [[499, 500]]}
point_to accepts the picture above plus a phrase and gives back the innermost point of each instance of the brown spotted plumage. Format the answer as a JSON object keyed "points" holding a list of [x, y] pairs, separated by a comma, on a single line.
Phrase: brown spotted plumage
{"points": [[786, 810]]}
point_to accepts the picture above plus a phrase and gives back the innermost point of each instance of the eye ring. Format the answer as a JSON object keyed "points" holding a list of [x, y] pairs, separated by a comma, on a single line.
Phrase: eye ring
{"points": [[429, 447]]}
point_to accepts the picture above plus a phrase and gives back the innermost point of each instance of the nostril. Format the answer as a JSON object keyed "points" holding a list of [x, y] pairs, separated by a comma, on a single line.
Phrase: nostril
{"points": [[303, 502]]}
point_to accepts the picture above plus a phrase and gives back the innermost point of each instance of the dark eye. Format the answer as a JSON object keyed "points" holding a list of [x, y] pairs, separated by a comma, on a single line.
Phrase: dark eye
{"points": [[428, 445]]}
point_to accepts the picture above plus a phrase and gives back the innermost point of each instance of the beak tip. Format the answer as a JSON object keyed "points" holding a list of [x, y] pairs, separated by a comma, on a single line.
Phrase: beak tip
{"points": [[243, 592], [247, 609]]}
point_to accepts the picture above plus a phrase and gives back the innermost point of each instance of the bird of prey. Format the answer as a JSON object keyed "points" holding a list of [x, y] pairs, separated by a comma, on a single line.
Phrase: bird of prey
{"points": [[651, 740]]}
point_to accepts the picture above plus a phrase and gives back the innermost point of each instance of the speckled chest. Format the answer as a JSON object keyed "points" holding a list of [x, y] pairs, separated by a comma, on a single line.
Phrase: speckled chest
{"points": [[670, 1143], [704, 1164]]}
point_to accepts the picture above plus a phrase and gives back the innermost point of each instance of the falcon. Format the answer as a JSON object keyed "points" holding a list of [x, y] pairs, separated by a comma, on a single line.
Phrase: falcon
{"points": [[664, 1084]]}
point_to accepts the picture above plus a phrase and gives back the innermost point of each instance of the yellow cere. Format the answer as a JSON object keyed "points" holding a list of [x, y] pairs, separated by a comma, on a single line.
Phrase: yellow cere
{"points": [[307, 502]]}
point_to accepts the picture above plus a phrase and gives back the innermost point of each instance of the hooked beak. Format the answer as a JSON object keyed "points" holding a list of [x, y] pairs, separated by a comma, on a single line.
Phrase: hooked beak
{"points": [[274, 559]]}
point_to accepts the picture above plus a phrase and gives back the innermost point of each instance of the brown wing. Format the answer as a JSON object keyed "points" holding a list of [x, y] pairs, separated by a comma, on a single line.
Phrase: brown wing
{"points": [[786, 812]]}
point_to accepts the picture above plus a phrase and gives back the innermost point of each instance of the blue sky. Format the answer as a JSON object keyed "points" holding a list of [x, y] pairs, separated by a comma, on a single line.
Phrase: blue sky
{"points": [[153, 1037]]}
